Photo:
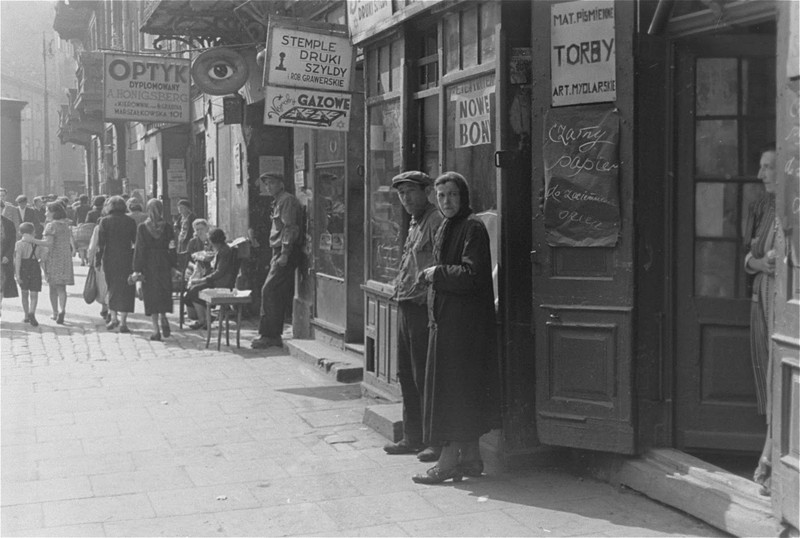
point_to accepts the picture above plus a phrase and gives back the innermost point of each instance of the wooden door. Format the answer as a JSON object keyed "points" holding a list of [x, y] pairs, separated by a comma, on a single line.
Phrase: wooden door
{"points": [[725, 112]]}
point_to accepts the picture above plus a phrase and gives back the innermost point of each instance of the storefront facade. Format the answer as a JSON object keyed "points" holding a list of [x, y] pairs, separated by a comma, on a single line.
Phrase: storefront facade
{"points": [[638, 338]]}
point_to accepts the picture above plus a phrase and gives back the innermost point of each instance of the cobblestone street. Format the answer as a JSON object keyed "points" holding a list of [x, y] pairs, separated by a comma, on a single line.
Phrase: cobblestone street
{"points": [[107, 434]]}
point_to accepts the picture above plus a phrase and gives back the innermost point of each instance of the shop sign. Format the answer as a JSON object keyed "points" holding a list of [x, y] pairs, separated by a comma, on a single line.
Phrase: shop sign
{"points": [[363, 14], [289, 107], [583, 52], [581, 170], [308, 57], [146, 88], [473, 115]]}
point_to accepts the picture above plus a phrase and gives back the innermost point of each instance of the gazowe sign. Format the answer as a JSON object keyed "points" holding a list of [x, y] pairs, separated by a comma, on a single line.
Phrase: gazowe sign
{"points": [[146, 88], [583, 52], [315, 55], [289, 107]]}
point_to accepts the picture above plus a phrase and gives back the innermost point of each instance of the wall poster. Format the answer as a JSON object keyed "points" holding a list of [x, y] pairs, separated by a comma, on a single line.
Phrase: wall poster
{"points": [[583, 65], [473, 117], [581, 168]]}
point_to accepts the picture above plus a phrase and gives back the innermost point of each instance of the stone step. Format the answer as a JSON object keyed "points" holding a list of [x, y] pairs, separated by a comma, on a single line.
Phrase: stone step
{"points": [[343, 366], [705, 491]]}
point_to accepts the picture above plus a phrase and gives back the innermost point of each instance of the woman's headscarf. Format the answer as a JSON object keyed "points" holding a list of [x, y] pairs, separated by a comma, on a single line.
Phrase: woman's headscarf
{"points": [[464, 209], [155, 218]]}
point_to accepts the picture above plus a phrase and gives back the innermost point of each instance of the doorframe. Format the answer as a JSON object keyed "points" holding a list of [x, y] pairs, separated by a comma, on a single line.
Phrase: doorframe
{"points": [[679, 31]]}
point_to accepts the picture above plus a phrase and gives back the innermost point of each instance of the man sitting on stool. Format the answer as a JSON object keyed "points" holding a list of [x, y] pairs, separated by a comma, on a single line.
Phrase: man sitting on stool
{"points": [[222, 275]]}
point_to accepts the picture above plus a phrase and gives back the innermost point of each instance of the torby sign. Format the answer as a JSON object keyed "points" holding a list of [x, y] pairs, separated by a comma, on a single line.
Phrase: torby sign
{"points": [[362, 14], [307, 57], [583, 52], [146, 88], [289, 107]]}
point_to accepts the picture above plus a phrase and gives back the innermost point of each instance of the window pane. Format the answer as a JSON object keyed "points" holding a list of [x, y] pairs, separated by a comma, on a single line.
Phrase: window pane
{"points": [[330, 146], [715, 269], [488, 20], [386, 213], [715, 210], [756, 133], [383, 78], [430, 132], [372, 72], [452, 39], [397, 62], [716, 148], [758, 86], [329, 219], [469, 37], [717, 86]]}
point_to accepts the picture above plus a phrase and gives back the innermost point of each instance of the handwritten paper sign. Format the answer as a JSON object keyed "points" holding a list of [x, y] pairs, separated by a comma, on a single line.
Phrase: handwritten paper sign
{"points": [[581, 170], [583, 52], [309, 59], [289, 107], [146, 88]]}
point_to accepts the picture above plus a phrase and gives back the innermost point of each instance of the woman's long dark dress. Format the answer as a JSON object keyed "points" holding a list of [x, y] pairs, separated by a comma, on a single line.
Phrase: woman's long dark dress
{"points": [[116, 239], [155, 258], [462, 370]]}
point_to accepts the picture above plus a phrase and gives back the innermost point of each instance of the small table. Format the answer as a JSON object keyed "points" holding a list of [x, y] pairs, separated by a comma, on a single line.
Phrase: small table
{"points": [[226, 300]]}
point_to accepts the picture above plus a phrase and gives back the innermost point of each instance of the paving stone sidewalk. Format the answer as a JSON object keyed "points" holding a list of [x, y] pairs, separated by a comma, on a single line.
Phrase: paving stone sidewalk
{"points": [[107, 434]]}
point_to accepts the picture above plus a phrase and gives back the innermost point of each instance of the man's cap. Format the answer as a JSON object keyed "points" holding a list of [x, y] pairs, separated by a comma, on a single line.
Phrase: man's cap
{"points": [[271, 176], [412, 176], [186, 203]]}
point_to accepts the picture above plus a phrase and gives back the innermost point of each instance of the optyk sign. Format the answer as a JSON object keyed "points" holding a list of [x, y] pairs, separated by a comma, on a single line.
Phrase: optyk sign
{"points": [[146, 88]]}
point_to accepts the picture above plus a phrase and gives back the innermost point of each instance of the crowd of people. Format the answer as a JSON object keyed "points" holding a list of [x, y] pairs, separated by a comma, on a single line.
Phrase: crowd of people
{"points": [[132, 251]]}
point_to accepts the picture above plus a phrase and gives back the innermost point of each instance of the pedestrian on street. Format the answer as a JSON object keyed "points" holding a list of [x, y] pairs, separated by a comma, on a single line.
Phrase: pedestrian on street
{"points": [[199, 255], [28, 274], [26, 214], [414, 189], [41, 211], [135, 211], [285, 241], [462, 364], [58, 263], [94, 214], [222, 275], [116, 238], [154, 259], [68, 209], [8, 236], [100, 277], [760, 229], [184, 229], [82, 209]]}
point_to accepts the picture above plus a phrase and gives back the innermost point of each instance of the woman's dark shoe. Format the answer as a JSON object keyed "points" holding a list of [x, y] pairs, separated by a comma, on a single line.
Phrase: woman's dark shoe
{"points": [[104, 314], [155, 337], [430, 454], [472, 468], [165, 328], [437, 475], [60, 318], [26, 319], [197, 325], [32, 320], [124, 329], [111, 325], [401, 447]]}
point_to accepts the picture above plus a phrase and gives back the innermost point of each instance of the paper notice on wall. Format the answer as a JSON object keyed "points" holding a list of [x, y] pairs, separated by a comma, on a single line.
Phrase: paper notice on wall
{"points": [[474, 118]]}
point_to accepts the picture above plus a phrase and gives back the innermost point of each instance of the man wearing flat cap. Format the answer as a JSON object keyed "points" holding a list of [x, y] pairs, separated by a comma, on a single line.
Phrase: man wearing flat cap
{"points": [[285, 240], [414, 189]]}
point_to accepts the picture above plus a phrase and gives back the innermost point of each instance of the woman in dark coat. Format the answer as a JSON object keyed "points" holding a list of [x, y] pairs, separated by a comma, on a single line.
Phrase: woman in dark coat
{"points": [[154, 260], [116, 237], [462, 365], [8, 238]]}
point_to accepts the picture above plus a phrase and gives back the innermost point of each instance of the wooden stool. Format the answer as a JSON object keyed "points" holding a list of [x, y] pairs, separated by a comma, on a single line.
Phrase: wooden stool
{"points": [[227, 301]]}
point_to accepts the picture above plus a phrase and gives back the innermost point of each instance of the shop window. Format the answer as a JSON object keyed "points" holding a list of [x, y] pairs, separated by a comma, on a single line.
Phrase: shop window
{"points": [[428, 62], [386, 213], [429, 112], [329, 204], [384, 73]]}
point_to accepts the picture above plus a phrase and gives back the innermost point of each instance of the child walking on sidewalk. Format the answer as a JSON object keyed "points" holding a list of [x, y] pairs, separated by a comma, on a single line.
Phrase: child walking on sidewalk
{"points": [[28, 273]]}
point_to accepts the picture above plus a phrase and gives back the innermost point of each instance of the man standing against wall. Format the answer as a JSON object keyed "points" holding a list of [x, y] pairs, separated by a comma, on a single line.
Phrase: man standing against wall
{"points": [[411, 293], [285, 241]]}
